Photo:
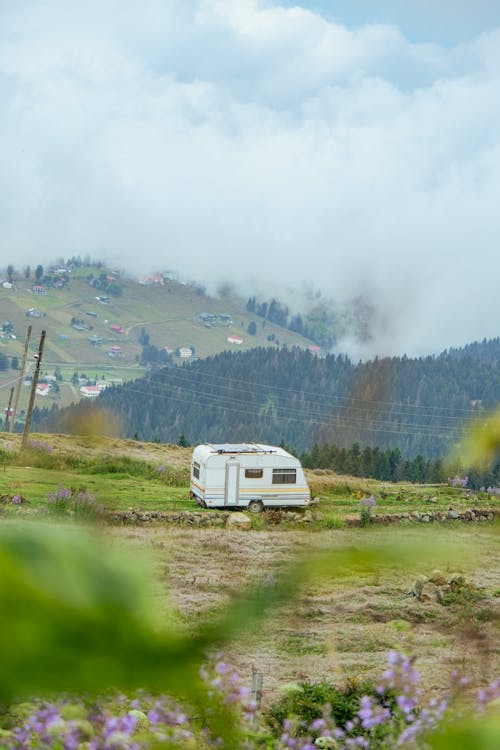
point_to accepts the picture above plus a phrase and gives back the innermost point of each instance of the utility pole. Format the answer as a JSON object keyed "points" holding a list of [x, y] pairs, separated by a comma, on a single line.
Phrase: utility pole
{"points": [[7, 413], [38, 360], [20, 379]]}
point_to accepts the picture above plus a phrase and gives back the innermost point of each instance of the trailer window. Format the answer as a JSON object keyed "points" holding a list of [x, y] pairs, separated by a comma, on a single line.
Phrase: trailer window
{"points": [[254, 473], [284, 476], [196, 469]]}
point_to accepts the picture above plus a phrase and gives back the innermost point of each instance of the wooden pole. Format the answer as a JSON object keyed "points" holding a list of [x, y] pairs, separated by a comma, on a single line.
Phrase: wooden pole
{"points": [[38, 360], [257, 683], [20, 379], [7, 413]]}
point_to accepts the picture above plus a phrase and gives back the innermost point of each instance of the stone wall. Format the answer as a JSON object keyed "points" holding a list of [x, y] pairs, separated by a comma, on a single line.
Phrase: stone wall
{"points": [[275, 517], [181, 518], [472, 514]]}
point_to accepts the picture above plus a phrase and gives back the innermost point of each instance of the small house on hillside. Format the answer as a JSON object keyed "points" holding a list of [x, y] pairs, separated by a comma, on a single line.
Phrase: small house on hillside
{"points": [[206, 317], [90, 391], [185, 352], [235, 339], [170, 276]]}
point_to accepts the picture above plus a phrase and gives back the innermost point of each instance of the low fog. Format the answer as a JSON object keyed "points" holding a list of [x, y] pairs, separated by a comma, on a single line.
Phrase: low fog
{"points": [[265, 146]]}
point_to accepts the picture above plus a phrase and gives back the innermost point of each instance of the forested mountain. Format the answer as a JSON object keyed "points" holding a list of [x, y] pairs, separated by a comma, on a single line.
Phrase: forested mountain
{"points": [[419, 406], [486, 351]]}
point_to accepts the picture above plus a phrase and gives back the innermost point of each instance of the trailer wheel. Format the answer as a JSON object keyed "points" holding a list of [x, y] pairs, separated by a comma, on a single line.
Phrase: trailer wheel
{"points": [[255, 506]]}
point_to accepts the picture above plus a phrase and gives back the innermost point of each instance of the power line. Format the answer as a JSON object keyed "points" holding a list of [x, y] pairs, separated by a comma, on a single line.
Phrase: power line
{"points": [[241, 407], [313, 409], [351, 400]]}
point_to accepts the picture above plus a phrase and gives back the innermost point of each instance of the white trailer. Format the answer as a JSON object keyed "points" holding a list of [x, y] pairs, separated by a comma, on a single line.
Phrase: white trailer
{"points": [[247, 475]]}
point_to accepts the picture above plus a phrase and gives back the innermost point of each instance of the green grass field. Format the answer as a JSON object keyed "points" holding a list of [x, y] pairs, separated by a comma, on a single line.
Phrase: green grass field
{"points": [[125, 474]]}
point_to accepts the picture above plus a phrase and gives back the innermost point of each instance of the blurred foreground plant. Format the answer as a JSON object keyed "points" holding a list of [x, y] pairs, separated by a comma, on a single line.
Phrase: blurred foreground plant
{"points": [[392, 715], [76, 617], [482, 443]]}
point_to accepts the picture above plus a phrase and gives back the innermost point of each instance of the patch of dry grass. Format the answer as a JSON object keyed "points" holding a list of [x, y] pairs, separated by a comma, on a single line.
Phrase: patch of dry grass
{"points": [[327, 481], [104, 446], [337, 629]]}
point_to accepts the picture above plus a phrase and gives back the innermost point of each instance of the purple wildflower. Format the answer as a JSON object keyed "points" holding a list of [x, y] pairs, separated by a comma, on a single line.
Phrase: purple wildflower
{"points": [[40, 445], [458, 481], [488, 694], [368, 502], [371, 713]]}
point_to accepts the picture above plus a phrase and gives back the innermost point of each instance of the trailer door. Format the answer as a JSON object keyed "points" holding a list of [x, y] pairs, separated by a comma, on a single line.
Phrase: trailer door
{"points": [[232, 486]]}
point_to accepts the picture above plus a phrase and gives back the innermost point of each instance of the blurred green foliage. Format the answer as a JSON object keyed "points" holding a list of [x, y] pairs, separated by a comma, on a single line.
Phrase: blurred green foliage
{"points": [[469, 733], [482, 444], [75, 616]]}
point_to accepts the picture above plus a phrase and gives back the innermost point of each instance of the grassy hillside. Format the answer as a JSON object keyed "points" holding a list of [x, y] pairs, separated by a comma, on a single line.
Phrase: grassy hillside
{"points": [[168, 313]]}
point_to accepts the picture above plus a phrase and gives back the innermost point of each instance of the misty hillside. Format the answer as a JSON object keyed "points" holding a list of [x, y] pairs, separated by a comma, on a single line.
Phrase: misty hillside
{"points": [[86, 308], [108, 326], [417, 405]]}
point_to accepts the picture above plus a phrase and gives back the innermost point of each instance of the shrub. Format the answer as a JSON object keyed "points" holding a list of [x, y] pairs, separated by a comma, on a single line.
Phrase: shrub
{"points": [[308, 700], [366, 505]]}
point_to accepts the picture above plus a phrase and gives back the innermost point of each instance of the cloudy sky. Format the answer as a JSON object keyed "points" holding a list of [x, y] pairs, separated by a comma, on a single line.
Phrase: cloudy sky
{"points": [[352, 146]]}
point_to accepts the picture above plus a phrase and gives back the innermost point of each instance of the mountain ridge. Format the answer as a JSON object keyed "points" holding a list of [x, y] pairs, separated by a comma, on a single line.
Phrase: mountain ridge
{"points": [[419, 405]]}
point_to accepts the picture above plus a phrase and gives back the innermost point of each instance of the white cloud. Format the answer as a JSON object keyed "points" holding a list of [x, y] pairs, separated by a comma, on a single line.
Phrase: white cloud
{"points": [[249, 141]]}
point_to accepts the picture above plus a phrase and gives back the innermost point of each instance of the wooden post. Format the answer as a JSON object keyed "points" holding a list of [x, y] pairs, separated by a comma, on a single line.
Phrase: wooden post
{"points": [[7, 413], [38, 360], [257, 682], [20, 379]]}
